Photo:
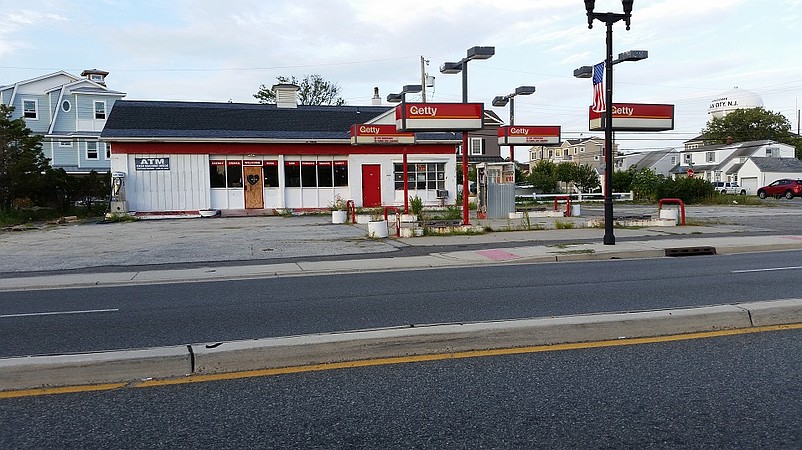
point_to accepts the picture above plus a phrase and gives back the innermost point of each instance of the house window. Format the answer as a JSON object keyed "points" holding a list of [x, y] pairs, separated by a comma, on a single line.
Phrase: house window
{"points": [[551, 154], [581, 149], [421, 176], [673, 160], [107, 148], [710, 157], [96, 77], [595, 158], [687, 158], [100, 110], [65, 143], [30, 109], [91, 150], [477, 146], [559, 153], [66, 106], [772, 152]]}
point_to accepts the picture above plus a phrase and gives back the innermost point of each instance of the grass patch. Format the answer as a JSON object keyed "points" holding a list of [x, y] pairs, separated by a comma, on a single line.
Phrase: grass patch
{"points": [[563, 225], [587, 251]]}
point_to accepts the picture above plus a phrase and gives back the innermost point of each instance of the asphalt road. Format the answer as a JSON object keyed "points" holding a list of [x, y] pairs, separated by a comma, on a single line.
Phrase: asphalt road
{"points": [[80, 320], [732, 392]]}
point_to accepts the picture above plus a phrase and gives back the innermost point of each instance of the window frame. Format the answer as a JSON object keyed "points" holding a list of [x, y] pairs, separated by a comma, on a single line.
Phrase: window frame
{"points": [[421, 175], [35, 111], [96, 112], [87, 150], [474, 150]]}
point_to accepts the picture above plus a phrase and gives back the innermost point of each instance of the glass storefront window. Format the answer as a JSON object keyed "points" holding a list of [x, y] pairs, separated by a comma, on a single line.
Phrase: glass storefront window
{"points": [[270, 173], [217, 174], [234, 174]]}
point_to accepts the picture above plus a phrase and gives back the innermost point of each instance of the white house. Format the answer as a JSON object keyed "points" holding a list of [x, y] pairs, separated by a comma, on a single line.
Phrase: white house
{"points": [[724, 162]]}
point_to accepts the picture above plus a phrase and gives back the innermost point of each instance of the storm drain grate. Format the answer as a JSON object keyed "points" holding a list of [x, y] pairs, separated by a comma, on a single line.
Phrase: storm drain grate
{"points": [[691, 251]]}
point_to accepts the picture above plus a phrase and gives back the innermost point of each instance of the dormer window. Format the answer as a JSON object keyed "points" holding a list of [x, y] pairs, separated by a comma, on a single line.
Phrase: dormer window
{"points": [[100, 110], [30, 109]]}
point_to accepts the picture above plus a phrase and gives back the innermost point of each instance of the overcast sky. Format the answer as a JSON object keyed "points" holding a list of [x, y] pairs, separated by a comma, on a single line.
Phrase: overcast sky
{"points": [[212, 50]]}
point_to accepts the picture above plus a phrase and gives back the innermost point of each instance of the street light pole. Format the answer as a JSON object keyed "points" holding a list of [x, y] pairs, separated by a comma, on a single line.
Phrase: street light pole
{"points": [[609, 19], [501, 100], [462, 66]]}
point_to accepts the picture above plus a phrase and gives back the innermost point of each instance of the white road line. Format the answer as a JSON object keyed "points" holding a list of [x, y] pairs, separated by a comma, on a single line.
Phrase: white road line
{"points": [[771, 269], [57, 313]]}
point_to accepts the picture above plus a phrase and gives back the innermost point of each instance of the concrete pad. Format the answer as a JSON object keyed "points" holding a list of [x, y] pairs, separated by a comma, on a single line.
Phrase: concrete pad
{"points": [[777, 312], [94, 368]]}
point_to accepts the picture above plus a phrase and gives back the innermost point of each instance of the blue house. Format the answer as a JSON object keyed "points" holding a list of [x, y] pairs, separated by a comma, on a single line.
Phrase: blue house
{"points": [[69, 112]]}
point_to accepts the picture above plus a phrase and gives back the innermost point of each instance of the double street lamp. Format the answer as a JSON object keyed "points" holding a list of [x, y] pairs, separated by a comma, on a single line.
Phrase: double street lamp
{"points": [[609, 19], [501, 101], [457, 67], [402, 97]]}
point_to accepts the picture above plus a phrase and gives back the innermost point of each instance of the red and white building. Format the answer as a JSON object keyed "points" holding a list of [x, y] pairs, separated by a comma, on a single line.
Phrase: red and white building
{"points": [[191, 156]]}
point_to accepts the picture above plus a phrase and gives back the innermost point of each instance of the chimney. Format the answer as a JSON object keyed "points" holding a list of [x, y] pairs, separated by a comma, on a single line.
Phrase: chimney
{"points": [[376, 101], [286, 96], [729, 140], [98, 76]]}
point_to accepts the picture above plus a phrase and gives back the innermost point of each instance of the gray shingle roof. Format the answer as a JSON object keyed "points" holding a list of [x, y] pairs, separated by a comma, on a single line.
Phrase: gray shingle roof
{"points": [[781, 165], [199, 120]]}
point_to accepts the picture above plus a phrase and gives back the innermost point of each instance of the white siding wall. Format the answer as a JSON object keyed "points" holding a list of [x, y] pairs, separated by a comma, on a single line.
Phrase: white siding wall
{"points": [[185, 187]]}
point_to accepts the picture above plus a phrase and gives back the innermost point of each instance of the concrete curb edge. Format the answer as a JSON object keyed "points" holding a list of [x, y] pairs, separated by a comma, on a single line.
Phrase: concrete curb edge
{"points": [[180, 361]]}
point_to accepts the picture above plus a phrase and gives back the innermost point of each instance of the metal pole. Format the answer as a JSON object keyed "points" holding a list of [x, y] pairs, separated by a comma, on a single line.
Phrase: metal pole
{"points": [[609, 238], [406, 183], [466, 214], [512, 122], [422, 79]]}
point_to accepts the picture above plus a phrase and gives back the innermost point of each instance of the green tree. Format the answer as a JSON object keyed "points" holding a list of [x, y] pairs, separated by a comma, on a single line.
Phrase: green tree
{"points": [[312, 90], [645, 184], [22, 162], [543, 177], [586, 178], [622, 179], [752, 124]]}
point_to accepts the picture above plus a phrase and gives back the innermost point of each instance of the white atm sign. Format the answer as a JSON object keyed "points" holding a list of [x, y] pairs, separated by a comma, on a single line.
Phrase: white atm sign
{"points": [[152, 163]]}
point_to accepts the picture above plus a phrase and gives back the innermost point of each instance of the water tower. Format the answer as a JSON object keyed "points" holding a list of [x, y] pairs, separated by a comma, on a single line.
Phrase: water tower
{"points": [[732, 100]]}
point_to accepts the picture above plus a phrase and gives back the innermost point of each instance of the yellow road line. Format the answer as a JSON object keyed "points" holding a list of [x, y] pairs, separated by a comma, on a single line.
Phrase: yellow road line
{"points": [[397, 360], [61, 390]]}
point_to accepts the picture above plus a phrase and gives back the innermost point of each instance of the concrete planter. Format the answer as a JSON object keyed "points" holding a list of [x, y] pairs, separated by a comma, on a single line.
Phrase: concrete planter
{"points": [[339, 216], [377, 229]]}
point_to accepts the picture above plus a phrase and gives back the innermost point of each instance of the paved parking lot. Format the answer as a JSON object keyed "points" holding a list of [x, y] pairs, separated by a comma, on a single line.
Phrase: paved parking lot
{"points": [[244, 239]]}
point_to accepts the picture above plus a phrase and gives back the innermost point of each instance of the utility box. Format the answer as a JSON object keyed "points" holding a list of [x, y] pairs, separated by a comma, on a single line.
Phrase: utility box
{"points": [[495, 189]]}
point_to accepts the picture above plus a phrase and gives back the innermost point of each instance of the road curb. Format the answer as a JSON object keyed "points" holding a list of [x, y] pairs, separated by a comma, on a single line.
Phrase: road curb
{"points": [[180, 361]]}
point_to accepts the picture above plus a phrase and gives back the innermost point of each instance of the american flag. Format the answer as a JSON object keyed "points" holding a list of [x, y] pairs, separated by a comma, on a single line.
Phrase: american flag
{"points": [[598, 88]]}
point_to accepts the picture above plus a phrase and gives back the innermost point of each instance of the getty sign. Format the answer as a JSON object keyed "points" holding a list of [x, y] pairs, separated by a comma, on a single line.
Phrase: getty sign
{"points": [[439, 116], [636, 117]]}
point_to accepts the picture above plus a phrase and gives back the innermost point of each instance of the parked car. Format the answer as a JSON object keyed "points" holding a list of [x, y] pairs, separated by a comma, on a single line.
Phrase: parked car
{"points": [[785, 187], [726, 187]]}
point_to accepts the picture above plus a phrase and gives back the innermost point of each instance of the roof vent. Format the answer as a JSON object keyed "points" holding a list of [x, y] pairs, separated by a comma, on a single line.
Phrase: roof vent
{"points": [[286, 95]]}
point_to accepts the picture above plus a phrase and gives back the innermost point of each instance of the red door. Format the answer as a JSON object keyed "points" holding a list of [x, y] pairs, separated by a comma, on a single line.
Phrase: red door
{"points": [[371, 185]]}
